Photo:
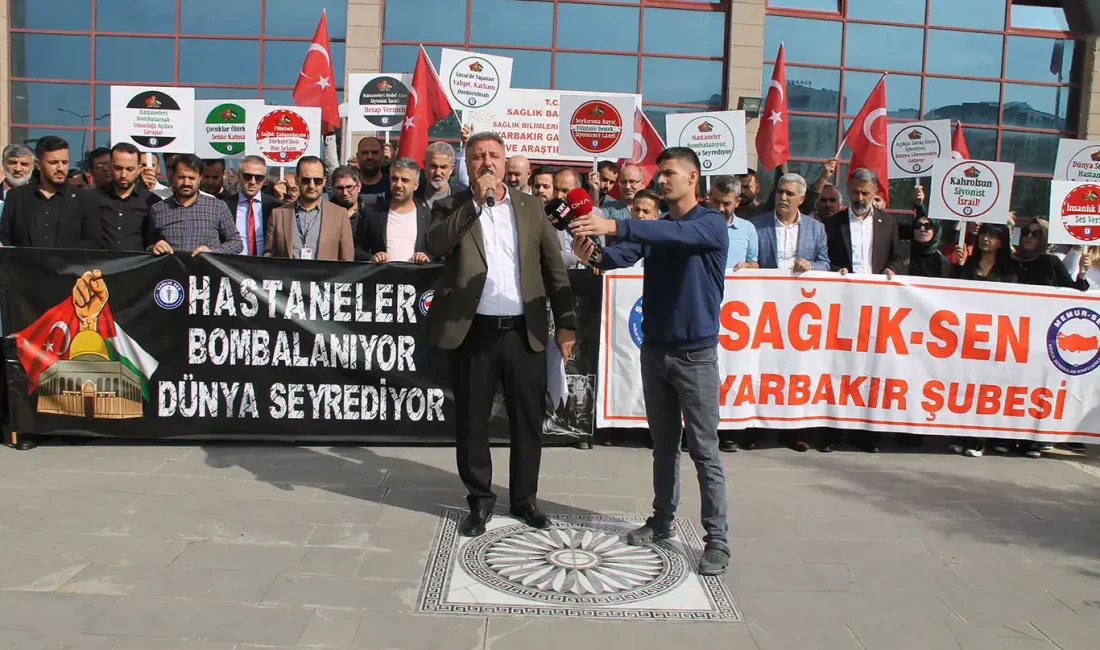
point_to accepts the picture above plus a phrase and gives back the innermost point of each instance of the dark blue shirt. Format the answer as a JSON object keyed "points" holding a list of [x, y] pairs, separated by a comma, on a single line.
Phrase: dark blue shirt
{"points": [[685, 275]]}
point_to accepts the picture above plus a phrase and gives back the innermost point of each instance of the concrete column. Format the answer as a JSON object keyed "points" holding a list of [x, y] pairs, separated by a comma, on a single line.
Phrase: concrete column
{"points": [[1089, 123], [746, 56], [5, 74], [364, 46]]}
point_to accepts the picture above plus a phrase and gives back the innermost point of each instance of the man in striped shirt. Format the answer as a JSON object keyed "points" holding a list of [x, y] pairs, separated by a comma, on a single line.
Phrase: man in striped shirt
{"points": [[192, 222]]}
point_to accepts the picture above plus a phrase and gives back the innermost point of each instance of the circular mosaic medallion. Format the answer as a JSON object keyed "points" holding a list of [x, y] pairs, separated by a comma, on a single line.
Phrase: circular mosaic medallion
{"points": [[572, 564]]}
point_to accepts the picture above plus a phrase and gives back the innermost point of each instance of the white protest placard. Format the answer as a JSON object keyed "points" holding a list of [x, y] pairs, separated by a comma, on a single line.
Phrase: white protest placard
{"points": [[913, 147], [1074, 213], [971, 190], [528, 121], [596, 125], [717, 137], [221, 126], [283, 134], [473, 80], [154, 119], [1078, 160], [377, 102]]}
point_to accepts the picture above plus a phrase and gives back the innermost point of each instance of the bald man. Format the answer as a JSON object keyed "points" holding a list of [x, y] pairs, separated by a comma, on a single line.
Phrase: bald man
{"points": [[517, 174]]}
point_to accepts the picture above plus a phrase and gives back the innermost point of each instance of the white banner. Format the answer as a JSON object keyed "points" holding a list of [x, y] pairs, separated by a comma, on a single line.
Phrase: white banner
{"points": [[221, 126], [474, 81], [1074, 213], [913, 355], [915, 146], [717, 137], [597, 125], [377, 102], [971, 190], [283, 134], [153, 119], [1078, 160], [528, 122]]}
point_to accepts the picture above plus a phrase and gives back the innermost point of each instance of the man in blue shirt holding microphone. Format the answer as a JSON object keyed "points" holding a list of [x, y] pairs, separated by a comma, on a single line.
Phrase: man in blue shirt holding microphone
{"points": [[685, 263]]}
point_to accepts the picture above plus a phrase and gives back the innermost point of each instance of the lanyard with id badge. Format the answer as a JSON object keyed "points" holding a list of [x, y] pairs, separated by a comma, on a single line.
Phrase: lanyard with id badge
{"points": [[306, 252]]}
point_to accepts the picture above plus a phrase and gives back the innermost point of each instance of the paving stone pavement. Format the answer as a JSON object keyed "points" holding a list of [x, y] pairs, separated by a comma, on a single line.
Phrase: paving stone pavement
{"points": [[178, 547]]}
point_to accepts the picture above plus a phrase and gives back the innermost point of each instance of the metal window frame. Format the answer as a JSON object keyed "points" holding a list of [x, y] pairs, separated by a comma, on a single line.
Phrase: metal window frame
{"points": [[91, 81]]}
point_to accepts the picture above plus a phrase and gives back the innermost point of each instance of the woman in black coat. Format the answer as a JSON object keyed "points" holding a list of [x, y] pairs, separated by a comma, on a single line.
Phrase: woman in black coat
{"points": [[925, 258]]}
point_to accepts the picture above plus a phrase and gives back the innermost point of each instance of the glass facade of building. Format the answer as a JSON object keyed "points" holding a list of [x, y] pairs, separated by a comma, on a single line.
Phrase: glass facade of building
{"points": [[65, 55], [1009, 72]]}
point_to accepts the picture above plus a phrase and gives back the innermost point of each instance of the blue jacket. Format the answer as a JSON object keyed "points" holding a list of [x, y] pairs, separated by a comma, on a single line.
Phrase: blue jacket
{"points": [[813, 246], [685, 275]]}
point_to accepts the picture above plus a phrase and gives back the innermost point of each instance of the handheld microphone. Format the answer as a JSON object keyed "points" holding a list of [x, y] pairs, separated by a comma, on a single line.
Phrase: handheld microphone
{"points": [[490, 199], [576, 204]]}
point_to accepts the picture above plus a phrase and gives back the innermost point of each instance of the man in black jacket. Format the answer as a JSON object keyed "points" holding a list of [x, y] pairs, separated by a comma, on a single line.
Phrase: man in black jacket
{"points": [[45, 213], [396, 230], [121, 208]]}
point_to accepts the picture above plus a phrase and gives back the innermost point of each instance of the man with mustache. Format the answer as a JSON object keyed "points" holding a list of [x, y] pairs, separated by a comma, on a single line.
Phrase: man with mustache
{"points": [[18, 163], [374, 185], [193, 222], [124, 208], [631, 181], [44, 212], [439, 165], [517, 174]]}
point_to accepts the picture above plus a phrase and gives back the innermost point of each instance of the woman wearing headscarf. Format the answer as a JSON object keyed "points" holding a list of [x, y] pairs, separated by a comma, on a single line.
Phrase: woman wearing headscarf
{"points": [[925, 258]]}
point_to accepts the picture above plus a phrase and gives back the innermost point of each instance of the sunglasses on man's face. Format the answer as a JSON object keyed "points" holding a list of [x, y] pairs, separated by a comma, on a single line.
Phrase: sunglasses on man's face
{"points": [[306, 180], [255, 178]]}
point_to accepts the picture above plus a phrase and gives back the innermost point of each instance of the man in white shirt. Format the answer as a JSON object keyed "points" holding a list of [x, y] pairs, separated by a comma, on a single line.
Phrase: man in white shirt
{"points": [[862, 238], [250, 207], [396, 230]]}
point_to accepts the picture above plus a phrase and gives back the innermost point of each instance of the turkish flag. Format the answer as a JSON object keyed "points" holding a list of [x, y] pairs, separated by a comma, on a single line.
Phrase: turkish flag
{"points": [[315, 85], [958, 144], [427, 105], [867, 138], [773, 142], [647, 146], [46, 340]]}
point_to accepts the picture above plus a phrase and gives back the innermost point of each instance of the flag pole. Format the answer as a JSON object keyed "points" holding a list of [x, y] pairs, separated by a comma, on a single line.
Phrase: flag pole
{"points": [[845, 138]]}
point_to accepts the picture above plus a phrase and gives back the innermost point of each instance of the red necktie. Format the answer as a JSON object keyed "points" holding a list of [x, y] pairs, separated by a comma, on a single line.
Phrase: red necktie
{"points": [[250, 224]]}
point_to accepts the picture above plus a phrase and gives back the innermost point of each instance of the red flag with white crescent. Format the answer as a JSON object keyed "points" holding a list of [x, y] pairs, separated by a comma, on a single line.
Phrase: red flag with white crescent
{"points": [[316, 85], [427, 105], [958, 144], [867, 138], [647, 146], [773, 142]]}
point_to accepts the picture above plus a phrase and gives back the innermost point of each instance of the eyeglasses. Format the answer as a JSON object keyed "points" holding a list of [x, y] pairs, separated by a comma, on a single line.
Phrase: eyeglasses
{"points": [[101, 165], [344, 188], [1031, 232], [306, 180], [255, 178], [924, 225]]}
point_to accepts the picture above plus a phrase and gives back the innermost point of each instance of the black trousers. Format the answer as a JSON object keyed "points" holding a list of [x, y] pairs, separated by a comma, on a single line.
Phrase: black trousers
{"points": [[497, 351]]}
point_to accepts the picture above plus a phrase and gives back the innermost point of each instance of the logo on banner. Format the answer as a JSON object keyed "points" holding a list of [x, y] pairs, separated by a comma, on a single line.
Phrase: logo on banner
{"points": [[596, 126], [426, 301], [1084, 165], [153, 123], [80, 360], [916, 150], [383, 101], [474, 82], [225, 130], [970, 189], [1073, 341], [168, 294], [634, 323], [711, 139], [282, 136], [1081, 213]]}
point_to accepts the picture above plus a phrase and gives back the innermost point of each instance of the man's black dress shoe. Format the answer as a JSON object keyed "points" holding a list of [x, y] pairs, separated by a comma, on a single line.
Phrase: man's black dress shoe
{"points": [[474, 523], [827, 448], [532, 516]]}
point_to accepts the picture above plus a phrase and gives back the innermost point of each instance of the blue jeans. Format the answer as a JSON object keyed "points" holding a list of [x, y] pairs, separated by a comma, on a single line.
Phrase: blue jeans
{"points": [[684, 384]]}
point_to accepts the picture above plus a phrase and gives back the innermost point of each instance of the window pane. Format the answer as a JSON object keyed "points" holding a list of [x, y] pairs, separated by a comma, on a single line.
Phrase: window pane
{"points": [[56, 14], [530, 68], [979, 14], [813, 137], [596, 72], [139, 16], [78, 140], [902, 93], [495, 22], [974, 102], [1040, 59], [278, 97], [283, 61], [682, 81], [981, 143], [1038, 107], [895, 11], [425, 20], [128, 58], [1032, 152], [299, 17], [657, 114], [46, 103], [102, 139], [815, 5], [226, 93], [1034, 17], [815, 90], [447, 128], [597, 27], [818, 40], [50, 56], [102, 105], [1030, 197], [236, 18], [682, 31], [402, 58], [884, 47], [219, 61], [977, 55]]}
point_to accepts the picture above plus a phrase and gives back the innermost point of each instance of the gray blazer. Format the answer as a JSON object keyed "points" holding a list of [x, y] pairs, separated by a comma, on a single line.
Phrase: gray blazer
{"points": [[813, 245]]}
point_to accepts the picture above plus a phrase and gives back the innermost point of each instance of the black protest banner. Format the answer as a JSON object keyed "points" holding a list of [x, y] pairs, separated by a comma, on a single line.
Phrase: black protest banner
{"points": [[230, 347]]}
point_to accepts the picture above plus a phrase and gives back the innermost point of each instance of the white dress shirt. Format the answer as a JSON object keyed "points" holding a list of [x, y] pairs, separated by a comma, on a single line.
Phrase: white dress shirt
{"points": [[401, 235], [786, 244], [501, 295], [863, 234], [242, 221]]}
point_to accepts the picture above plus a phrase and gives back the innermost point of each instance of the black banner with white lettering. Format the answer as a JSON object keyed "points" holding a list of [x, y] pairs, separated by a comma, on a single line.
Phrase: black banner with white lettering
{"points": [[232, 347]]}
